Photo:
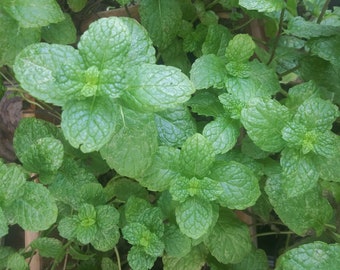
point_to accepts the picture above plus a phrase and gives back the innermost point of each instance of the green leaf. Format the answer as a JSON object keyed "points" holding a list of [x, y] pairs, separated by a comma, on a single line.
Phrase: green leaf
{"points": [[299, 27], [176, 243], [5, 252], [196, 156], [164, 168], [256, 260], [49, 248], [162, 19], [264, 120], [232, 104], [35, 13], [138, 259], [76, 5], [206, 189], [306, 212], [50, 72], [63, 32], [216, 40], [134, 144], [312, 256], [194, 217], [12, 184], [208, 71], [250, 149], [326, 48], [44, 156], [92, 193], [35, 210], [67, 227], [240, 48], [263, 5], [108, 264], [155, 87], [222, 133], [16, 262], [3, 224], [90, 123], [206, 103], [14, 38], [240, 185], [194, 260], [229, 240], [134, 208], [174, 126]]}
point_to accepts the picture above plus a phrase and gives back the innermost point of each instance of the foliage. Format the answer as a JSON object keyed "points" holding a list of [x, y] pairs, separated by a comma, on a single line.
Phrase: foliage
{"points": [[171, 127]]}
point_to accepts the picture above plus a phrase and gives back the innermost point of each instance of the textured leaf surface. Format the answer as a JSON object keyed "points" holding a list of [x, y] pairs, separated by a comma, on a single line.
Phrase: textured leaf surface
{"points": [[131, 149], [139, 260], [194, 217], [255, 260], [264, 120], [206, 103], [156, 87], [49, 247], [313, 256], [240, 48], [240, 185], [36, 210], [208, 71], [216, 40], [308, 211], [13, 38], [162, 19], [90, 123], [3, 224], [174, 126], [34, 13], [229, 240], [222, 133], [176, 243], [196, 156], [76, 5], [326, 48], [263, 5], [17, 262], [50, 72]]}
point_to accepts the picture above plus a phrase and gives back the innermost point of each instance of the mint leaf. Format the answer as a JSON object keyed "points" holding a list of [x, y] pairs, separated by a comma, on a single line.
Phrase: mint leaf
{"points": [[240, 48], [304, 257], [174, 126], [206, 103], [256, 260], [232, 104], [222, 133], [49, 248], [229, 240], [89, 123], [164, 169], [263, 5], [3, 224], [208, 71], [76, 5], [134, 208], [264, 120], [162, 19], [194, 217], [135, 140], [17, 262], [196, 156], [13, 38], [12, 184], [307, 211], [50, 72], [63, 32], [35, 210], [239, 184], [123, 188], [194, 260], [35, 13], [156, 87], [216, 40], [92, 193], [326, 48], [176, 243], [138, 259]]}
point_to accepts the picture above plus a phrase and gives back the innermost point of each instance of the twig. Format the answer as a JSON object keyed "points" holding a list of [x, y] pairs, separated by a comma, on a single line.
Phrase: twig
{"points": [[323, 11], [276, 41]]}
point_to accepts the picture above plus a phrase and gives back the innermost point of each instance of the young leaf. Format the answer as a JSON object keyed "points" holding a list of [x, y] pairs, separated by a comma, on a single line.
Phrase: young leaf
{"points": [[35, 210], [222, 133], [240, 48], [313, 256], [49, 248], [206, 103], [196, 156], [216, 40], [153, 88], [263, 5], [239, 184], [89, 123], [35, 13], [307, 211], [194, 217], [176, 243], [208, 71], [229, 240], [232, 104], [162, 19], [135, 140], [3, 224], [16, 262], [138, 259], [76, 5], [264, 120], [50, 72]]}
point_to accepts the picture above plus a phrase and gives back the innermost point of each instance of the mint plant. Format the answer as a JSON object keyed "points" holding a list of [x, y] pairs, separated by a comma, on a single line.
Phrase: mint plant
{"points": [[171, 131]]}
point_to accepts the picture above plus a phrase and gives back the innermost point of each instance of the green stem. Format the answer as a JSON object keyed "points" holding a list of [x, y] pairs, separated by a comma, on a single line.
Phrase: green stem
{"points": [[242, 25], [273, 233], [289, 71], [276, 41], [213, 3], [323, 11], [118, 258]]}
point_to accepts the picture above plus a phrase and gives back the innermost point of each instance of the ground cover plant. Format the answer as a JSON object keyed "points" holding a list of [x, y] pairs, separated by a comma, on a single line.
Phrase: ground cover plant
{"points": [[171, 129]]}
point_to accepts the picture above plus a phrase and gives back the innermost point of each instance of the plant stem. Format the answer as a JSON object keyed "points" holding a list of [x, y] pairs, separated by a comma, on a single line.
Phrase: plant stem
{"points": [[118, 258], [323, 11], [273, 233], [276, 41]]}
